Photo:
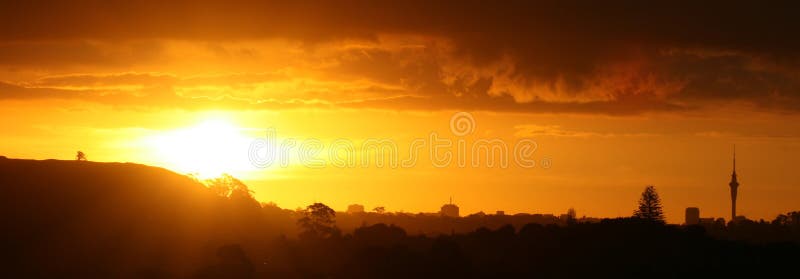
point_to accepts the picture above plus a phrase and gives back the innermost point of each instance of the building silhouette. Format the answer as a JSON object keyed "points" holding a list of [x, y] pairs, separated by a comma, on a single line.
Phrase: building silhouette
{"points": [[734, 184], [449, 210], [692, 216], [355, 208]]}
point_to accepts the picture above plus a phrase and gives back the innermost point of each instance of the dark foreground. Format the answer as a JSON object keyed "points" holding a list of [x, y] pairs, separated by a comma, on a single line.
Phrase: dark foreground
{"points": [[91, 220]]}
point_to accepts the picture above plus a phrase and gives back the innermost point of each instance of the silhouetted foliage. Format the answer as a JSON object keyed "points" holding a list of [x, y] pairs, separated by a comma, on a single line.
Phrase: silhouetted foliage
{"points": [[318, 221], [379, 235], [379, 210], [233, 264], [80, 156], [791, 219], [650, 206], [228, 186]]}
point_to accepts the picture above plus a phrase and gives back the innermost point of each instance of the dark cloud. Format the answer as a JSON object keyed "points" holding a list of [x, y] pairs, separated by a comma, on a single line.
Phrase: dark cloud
{"points": [[507, 104], [616, 57], [77, 53]]}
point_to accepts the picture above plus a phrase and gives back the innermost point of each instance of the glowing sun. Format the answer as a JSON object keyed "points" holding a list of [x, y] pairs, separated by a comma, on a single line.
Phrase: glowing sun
{"points": [[208, 149]]}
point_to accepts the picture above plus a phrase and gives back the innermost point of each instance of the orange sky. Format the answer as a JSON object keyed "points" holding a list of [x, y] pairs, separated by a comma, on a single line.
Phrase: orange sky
{"points": [[613, 103]]}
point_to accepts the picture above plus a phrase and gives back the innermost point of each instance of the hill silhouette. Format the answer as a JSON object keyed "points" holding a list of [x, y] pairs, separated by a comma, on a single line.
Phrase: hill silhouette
{"points": [[117, 218]]}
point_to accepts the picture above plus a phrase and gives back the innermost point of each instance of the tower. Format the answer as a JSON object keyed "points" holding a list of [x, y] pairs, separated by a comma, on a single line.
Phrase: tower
{"points": [[734, 186]]}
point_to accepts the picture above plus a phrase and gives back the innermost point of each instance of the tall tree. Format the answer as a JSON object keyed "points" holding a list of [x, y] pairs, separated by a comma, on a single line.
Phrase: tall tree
{"points": [[318, 221], [650, 206]]}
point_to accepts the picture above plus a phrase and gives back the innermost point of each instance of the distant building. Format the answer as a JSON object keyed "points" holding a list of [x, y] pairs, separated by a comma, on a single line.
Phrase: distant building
{"points": [[355, 208], [692, 216], [449, 210], [500, 213]]}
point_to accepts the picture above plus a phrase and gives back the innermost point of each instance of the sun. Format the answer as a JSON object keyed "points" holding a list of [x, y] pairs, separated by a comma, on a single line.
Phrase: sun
{"points": [[207, 149]]}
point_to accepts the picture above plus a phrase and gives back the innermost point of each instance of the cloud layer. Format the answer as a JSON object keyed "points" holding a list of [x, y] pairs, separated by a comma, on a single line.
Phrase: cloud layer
{"points": [[611, 57]]}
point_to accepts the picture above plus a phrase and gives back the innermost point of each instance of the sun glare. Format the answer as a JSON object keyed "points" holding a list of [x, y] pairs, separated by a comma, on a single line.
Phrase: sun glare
{"points": [[208, 149]]}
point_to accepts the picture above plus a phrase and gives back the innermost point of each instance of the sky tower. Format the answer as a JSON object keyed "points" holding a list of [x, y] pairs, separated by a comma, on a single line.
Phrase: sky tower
{"points": [[734, 186]]}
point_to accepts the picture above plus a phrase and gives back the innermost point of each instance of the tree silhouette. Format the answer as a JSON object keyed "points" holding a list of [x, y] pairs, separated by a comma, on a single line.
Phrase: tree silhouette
{"points": [[317, 221], [228, 186], [788, 219], [80, 156], [650, 206], [571, 216], [233, 263], [234, 190], [379, 209]]}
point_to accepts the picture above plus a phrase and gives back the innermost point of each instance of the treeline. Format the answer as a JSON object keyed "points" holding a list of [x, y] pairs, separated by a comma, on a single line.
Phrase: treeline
{"points": [[642, 245], [628, 248]]}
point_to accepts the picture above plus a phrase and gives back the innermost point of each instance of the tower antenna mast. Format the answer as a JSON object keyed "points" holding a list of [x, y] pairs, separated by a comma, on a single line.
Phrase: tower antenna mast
{"points": [[734, 184]]}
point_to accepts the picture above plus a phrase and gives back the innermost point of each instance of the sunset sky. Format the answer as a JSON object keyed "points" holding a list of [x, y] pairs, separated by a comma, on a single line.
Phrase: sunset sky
{"points": [[617, 95]]}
